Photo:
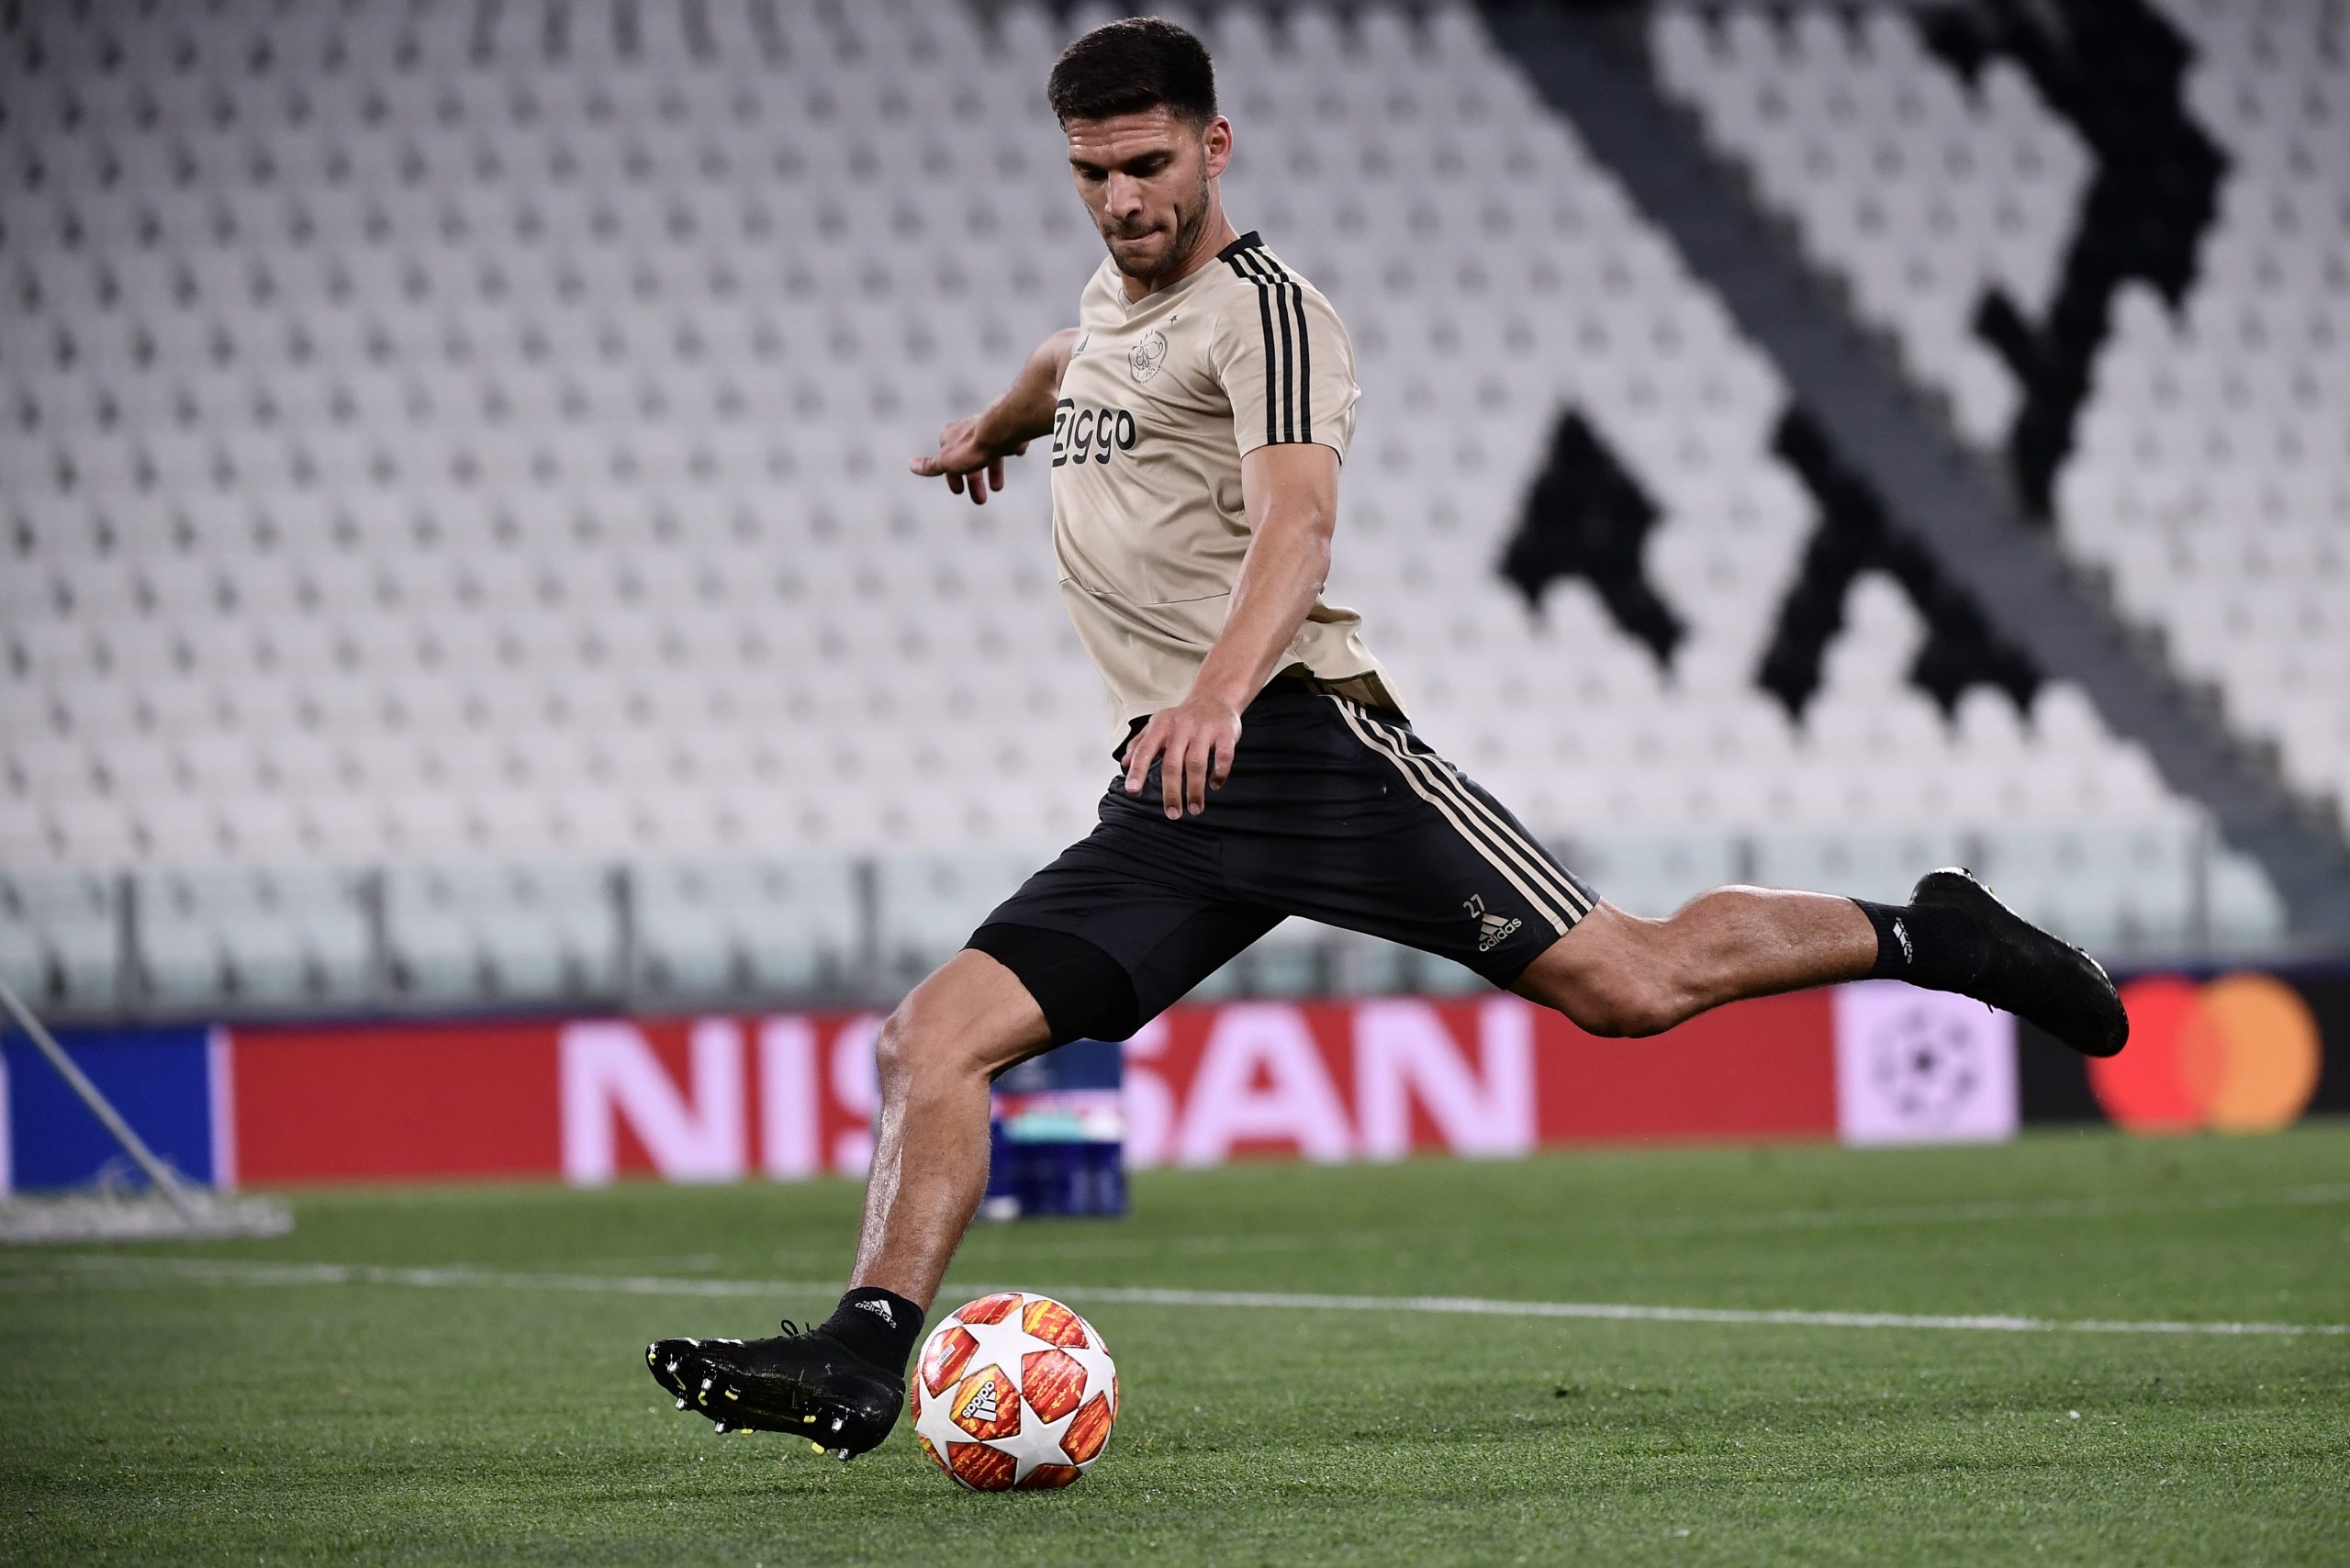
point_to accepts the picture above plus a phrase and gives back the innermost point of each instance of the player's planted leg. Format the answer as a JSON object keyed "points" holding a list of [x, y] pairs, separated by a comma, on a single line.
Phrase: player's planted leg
{"points": [[841, 1383], [1619, 975], [938, 1053]]}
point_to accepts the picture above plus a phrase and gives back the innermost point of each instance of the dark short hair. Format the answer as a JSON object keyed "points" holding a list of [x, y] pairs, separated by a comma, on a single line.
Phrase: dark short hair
{"points": [[1138, 63]]}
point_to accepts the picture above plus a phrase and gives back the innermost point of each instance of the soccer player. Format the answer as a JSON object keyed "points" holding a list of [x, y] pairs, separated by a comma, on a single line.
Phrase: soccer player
{"points": [[1199, 412]]}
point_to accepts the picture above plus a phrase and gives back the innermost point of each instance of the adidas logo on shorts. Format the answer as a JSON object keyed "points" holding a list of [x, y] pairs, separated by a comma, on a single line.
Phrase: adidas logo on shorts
{"points": [[1492, 929]]}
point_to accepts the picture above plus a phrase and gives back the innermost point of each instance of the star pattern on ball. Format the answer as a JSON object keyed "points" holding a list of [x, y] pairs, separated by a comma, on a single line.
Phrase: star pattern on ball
{"points": [[1099, 1370], [936, 1422], [1036, 1443], [1001, 1344]]}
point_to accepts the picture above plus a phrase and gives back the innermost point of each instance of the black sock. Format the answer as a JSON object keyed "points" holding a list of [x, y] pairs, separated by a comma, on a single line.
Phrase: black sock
{"points": [[1925, 945], [876, 1325]]}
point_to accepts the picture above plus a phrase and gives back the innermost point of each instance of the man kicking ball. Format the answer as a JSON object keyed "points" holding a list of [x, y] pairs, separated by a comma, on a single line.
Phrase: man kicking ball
{"points": [[1199, 411]]}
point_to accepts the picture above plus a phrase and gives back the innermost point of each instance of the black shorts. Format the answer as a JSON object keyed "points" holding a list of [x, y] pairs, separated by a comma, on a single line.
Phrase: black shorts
{"points": [[1334, 811]]}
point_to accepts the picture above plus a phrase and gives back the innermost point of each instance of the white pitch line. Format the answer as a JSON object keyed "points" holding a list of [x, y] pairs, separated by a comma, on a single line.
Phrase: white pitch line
{"points": [[453, 1276], [464, 1277], [1479, 1306]]}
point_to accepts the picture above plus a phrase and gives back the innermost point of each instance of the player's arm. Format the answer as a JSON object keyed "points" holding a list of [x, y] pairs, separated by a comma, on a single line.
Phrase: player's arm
{"points": [[1291, 492], [971, 452]]}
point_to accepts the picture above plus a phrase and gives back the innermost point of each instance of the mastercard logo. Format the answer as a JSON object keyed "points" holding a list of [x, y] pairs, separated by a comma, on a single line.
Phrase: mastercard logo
{"points": [[2237, 1055]]}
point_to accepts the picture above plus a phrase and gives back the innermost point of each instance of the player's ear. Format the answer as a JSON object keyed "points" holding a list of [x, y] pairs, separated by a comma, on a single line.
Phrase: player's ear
{"points": [[1216, 140]]}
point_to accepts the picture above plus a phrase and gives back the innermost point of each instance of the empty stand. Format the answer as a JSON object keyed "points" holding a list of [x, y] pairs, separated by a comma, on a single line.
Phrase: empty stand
{"points": [[2201, 474], [458, 538]]}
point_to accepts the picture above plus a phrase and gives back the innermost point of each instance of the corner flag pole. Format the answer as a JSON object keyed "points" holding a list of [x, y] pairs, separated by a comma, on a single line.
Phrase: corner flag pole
{"points": [[135, 1146]]}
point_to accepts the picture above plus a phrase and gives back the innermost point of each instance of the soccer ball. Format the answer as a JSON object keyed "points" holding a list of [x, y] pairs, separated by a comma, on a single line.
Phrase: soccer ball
{"points": [[1015, 1390]]}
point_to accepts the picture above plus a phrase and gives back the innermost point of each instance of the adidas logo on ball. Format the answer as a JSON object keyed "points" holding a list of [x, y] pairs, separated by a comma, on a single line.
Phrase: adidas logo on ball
{"points": [[1015, 1390]]}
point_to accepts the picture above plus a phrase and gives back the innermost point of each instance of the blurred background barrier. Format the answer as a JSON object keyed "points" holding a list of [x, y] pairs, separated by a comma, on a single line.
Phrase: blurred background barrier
{"points": [[790, 1095]]}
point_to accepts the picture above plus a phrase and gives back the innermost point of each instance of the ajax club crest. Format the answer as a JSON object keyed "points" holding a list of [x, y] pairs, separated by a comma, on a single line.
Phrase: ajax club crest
{"points": [[1149, 355]]}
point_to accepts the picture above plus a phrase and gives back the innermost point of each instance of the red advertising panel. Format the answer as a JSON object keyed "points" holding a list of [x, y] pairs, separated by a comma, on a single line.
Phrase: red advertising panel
{"points": [[395, 1101], [793, 1094], [1756, 1069]]}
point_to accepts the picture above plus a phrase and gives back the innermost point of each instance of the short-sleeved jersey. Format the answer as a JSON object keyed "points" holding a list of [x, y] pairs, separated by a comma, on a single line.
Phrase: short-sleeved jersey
{"points": [[1163, 397]]}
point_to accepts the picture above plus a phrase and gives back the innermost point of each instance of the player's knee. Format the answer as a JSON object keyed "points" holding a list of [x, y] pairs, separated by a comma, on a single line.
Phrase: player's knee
{"points": [[1633, 1013], [928, 1039], [916, 1047], [895, 1052], [1618, 1003], [1613, 976]]}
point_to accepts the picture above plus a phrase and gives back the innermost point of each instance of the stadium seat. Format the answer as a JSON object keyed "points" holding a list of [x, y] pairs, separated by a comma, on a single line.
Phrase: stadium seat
{"points": [[256, 938], [780, 927], [495, 934], [61, 938]]}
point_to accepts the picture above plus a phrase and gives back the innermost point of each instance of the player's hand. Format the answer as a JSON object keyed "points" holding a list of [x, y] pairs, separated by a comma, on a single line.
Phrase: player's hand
{"points": [[1193, 742], [968, 464]]}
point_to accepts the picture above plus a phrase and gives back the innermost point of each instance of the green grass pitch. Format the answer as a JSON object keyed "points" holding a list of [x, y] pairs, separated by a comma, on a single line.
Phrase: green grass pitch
{"points": [[234, 1403]]}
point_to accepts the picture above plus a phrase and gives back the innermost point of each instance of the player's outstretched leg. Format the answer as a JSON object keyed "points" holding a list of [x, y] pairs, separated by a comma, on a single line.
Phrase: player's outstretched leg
{"points": [[841, 1383], [1617, 974]]}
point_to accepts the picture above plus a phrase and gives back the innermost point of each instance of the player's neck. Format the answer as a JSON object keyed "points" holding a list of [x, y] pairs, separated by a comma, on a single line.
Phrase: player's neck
{"points": [[1214, 237]]}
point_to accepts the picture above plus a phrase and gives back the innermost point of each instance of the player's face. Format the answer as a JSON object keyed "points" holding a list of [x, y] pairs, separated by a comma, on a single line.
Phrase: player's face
{"points": [[1146, 177]]}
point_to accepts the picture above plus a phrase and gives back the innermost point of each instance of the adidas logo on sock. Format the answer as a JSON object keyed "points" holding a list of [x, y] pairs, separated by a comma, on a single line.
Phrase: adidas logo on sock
{"points": [[879, 1309], [1901, 934]]}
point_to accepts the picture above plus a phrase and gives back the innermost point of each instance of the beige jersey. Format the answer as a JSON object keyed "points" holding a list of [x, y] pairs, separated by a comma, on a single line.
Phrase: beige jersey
{"points": [[1162, 398]]}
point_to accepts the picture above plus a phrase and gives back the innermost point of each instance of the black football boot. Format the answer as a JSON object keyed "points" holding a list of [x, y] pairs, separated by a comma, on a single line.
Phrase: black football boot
{"points": [[800, 1382], [2030, 973]]}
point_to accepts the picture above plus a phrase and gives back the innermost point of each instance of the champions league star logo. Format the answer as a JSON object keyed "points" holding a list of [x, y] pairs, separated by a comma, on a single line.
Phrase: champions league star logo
{"points": [[1925, 1065], [1149, 355]]}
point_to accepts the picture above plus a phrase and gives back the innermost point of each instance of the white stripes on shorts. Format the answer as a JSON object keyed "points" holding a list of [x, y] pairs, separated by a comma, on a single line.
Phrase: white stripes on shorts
{"points": [[1521, 862]]}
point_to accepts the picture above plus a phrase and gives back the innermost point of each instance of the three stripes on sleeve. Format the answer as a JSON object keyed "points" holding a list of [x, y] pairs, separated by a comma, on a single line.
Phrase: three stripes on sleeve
{"points": [[1289, 357]]}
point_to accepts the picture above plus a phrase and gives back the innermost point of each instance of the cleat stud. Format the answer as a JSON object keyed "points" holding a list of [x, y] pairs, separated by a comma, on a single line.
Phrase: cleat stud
{"points": [[815, 1447], [838, 1422], [681, 1405], [840, 1454], [807, 1420], [721, 1427], [732, 1394]]}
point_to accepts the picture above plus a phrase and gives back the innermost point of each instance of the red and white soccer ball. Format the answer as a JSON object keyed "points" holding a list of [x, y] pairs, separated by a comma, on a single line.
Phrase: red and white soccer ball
{"points": [[1014, 1391]]}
